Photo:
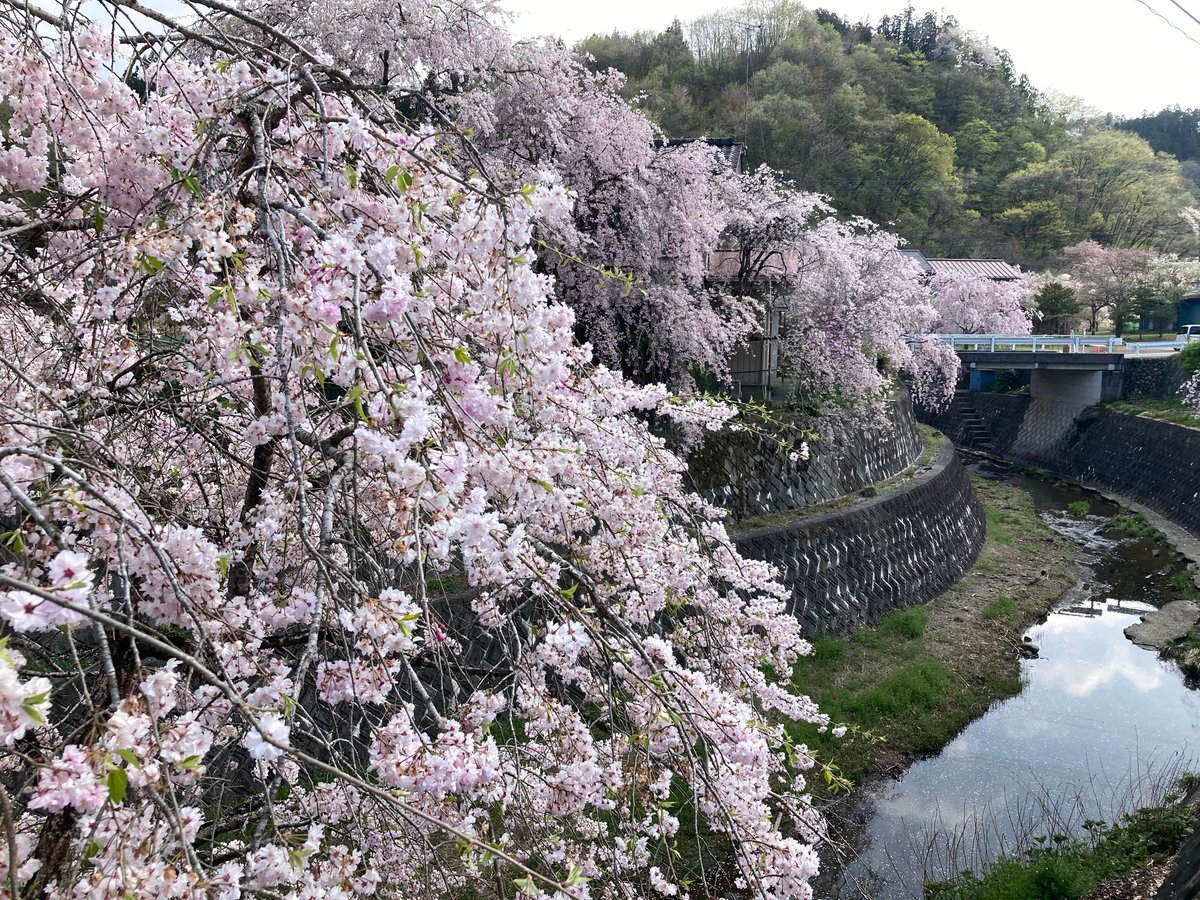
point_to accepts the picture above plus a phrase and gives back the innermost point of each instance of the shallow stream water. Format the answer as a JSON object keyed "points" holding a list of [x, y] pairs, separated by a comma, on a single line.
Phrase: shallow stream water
{"points": [[1100, 722]]}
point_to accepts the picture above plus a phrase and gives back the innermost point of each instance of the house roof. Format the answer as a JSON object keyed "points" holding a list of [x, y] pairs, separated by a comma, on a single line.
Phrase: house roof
{"points": [[919, 259], [996, 269], [731, 149]]}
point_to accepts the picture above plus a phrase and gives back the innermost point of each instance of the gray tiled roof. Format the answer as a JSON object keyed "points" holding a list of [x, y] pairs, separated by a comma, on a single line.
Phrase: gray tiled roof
{"points": [[996, 269], [731, 149]]}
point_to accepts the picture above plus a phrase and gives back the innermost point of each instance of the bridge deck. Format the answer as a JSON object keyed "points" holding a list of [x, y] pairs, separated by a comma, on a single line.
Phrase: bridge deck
{"points": [[1028, 359]]}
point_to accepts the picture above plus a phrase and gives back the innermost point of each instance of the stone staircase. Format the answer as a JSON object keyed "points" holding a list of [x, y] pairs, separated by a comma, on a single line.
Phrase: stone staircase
{"points": [[974, 431]]}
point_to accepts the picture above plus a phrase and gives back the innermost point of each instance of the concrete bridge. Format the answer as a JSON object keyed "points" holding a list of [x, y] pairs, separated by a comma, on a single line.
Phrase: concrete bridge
{"points": [[1076, 369]]}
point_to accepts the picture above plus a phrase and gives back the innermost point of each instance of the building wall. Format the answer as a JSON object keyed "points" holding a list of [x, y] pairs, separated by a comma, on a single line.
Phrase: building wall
{"points": [[1189, 312]]}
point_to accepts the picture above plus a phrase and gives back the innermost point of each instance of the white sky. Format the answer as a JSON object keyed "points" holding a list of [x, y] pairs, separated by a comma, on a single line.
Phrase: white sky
{"points": [[1115, 54]]}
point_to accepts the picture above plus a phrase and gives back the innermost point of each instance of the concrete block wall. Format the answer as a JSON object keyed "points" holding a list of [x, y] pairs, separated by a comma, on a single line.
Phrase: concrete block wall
{"points": [[751, 476], [1155, 463], [1045, 431], [1001, 414], [849, 567]]}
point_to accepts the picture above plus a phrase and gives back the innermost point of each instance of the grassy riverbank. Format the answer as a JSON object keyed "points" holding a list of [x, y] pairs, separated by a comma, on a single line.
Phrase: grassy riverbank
{"points": [[909, 685], [1111, 862], [1174, 411]]}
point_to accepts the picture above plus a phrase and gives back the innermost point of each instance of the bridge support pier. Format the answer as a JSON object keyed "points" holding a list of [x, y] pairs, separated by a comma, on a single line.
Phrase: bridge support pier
{"points": [[1080, 387]]}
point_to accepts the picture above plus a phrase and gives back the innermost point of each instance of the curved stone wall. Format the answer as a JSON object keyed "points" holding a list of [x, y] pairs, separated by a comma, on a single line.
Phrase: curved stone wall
{"points": [[849, 567], [751, 475]]}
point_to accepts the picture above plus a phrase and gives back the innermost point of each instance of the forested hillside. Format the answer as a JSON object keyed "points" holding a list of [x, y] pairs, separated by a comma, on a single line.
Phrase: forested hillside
{"points": [[1172, 130], [913, 121]]}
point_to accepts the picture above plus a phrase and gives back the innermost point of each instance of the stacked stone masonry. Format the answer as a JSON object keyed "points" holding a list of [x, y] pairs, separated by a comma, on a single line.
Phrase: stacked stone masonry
{"points": [[1152, 378], [751, 475], [847, 568]]}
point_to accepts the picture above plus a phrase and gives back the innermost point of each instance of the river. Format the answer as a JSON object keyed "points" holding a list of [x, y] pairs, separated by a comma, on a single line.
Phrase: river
{"points": [[1101, 724]]}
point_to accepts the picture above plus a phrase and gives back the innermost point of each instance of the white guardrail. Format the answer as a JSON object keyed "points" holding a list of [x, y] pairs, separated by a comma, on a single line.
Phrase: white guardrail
{"points": [[1156, 346], [1056, 343]]}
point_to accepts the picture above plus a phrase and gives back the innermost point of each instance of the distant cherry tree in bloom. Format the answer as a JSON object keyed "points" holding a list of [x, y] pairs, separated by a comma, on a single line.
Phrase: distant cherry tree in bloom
{"points": [[333, 565], [855, 311], [972, 304], [631, 259]]}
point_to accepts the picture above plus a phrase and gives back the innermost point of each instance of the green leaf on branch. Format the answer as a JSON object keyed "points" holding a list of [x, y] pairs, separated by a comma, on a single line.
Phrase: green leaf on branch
{"points": [[13, 540], [128, 756], [117, 781], [354, 396], [30, 706]]}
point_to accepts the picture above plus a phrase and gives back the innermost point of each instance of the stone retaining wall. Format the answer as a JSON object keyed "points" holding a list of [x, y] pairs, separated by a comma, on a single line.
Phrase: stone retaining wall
{"points": [[1016, 426], [1001, 414], [751, 475], [847, 568], [1155, 463], [1152, 378]]}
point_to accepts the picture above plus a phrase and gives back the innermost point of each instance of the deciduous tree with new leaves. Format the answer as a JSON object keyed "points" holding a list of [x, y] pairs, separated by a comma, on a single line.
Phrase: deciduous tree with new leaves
{"points": [[333, 563]]}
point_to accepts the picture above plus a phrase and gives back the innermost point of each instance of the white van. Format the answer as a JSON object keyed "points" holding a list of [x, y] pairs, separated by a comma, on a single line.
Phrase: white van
{"points": [[1188, 333]]}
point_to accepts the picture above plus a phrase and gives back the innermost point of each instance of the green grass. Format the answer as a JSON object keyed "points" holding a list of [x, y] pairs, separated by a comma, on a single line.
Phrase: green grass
{"points": [[1000, 524], [904, 624], [1003, 608], [907, 686], [1183, 582], [1079, 509], [917, 688], [885, 682], [1174, 411], [1134, 525], [1062, 869]]}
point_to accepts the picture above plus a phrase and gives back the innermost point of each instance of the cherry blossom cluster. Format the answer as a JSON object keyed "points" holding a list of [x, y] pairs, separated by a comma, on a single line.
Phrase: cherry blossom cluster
{"points": [[347, 570], [854, 308], [973, 304]]}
